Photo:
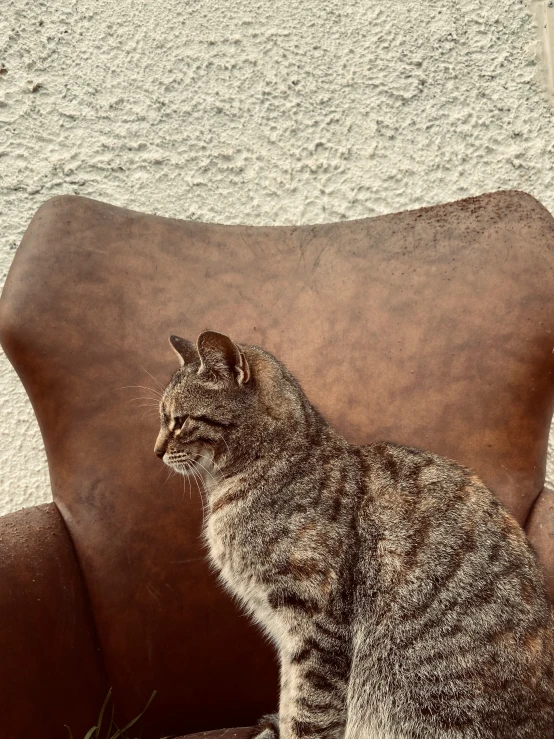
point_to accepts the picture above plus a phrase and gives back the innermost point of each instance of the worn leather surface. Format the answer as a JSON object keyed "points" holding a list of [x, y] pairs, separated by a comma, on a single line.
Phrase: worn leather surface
{"points": [[50, 666], [432, 328]]}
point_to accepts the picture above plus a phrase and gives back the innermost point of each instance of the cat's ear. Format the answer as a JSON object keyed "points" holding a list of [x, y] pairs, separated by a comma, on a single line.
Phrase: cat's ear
{"points": [[184, 349], [222, 356]]}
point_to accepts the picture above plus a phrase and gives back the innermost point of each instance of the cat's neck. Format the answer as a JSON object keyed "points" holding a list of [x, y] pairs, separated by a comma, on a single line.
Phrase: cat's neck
{"points": [[290, 453]]}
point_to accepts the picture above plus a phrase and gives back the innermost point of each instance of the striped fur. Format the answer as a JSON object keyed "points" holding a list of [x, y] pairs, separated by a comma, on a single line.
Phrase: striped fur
{"points": [[403, 599]]}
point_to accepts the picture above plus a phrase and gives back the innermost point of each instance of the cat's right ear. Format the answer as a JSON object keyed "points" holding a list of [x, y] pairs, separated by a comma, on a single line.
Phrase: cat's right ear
{"points": [[184, 349]]}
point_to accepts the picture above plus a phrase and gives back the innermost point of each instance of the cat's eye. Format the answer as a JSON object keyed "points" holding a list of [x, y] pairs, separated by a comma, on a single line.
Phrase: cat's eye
{"points": [[178, 422]]}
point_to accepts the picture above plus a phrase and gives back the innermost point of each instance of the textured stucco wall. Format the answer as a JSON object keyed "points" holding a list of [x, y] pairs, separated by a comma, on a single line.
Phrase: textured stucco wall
{"points": [[267, 112]]}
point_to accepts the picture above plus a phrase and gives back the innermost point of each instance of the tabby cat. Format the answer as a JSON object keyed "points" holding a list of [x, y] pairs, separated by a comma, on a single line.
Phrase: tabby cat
{"points": [[404, 601]]}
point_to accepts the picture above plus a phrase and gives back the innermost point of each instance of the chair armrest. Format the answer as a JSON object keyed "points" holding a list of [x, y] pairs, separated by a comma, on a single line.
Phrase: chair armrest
{"points": [[540, 530], [50, 668]]}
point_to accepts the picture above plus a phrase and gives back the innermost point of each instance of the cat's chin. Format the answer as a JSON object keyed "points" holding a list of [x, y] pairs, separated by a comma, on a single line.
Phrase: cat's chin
{"points": [[180, 468]]}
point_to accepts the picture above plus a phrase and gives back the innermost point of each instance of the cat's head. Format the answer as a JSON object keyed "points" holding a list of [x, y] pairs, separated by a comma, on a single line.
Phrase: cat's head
{"points": [[225, 405]]}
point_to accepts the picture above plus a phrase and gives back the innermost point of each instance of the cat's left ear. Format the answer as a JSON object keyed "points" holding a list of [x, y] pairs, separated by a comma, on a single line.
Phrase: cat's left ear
{"points": [[222, 356], [184, 349]]}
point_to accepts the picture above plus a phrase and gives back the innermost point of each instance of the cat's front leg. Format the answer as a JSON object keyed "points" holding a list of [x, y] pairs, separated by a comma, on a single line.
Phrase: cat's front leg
{"points": [[313, 705], [268, 726], [314, 677]]}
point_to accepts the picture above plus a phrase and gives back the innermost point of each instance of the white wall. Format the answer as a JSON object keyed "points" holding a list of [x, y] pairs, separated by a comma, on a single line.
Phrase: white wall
{"points": [[261, 112]]}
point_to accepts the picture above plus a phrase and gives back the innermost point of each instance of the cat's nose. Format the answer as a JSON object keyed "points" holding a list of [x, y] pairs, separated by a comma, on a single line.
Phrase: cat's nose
{"points": [[159, 452]]}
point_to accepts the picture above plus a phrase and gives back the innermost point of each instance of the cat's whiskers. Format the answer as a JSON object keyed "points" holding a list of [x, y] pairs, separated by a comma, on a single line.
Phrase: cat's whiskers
{"points": [[146, 414], [143, 387], [143, 397], [183, 457], [152, 403], [200, 488], [162, 468], [211, 461], [185, 480], [162, 388], [206, 470], [171, 473]]}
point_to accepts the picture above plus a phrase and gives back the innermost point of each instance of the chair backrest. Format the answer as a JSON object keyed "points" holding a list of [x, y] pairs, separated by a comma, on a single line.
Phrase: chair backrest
{"points": [[433, 328]]}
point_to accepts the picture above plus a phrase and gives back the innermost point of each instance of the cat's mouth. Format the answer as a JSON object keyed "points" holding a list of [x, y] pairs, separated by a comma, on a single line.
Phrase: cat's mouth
{"points": [[191, 463]]}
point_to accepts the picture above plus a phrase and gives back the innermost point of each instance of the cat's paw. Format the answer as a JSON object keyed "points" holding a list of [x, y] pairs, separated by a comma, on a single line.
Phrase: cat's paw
{"points": [[266, 728]]}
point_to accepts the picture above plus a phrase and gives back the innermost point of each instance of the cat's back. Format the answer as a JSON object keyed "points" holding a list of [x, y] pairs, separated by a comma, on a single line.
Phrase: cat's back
{"points": [[458, 599], [436, 525]]}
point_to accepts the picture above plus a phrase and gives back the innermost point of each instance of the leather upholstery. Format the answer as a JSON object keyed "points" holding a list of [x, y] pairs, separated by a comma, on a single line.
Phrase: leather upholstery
{"points": [[51, 669], [432, 328]]}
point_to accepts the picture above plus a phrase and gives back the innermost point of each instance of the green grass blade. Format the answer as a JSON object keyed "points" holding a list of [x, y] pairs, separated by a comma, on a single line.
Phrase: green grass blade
{"points": [[90, 732], [70, 734], [111, 723], [101, 717], [120, 732]]}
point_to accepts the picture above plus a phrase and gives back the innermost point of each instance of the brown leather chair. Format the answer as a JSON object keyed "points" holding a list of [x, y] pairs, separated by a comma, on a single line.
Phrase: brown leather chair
{"points": [[433, 327]]}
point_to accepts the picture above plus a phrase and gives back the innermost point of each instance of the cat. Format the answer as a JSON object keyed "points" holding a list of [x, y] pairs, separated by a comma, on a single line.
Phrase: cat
{"points": [[404, 601]]}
